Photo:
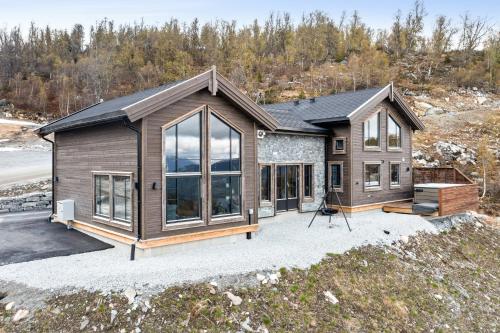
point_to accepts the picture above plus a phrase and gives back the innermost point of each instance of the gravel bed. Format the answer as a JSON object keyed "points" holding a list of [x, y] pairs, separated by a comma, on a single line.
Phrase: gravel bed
{"points": [[283, 241]]}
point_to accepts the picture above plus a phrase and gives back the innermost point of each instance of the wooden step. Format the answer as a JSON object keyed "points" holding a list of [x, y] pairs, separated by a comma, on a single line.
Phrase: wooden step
{"points": [[399, 207]]}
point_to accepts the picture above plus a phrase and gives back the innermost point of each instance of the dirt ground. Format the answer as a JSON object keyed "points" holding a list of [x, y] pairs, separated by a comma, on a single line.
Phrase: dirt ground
{"points": [[447, 282]]}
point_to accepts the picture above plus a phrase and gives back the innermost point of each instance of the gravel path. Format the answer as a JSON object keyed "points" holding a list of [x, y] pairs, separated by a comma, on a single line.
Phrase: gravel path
{"points": [[283, 241]]}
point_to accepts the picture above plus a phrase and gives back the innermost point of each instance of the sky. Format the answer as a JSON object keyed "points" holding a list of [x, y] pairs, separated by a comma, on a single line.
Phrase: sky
{"points": [[63, 14]]}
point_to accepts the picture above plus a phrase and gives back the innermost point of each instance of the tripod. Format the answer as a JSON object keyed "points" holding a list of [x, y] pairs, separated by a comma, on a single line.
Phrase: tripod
{"points": [[322, 207]]}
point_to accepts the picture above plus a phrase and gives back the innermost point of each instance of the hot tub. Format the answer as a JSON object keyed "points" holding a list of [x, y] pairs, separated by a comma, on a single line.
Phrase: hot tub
{"points": [[429, 193]]}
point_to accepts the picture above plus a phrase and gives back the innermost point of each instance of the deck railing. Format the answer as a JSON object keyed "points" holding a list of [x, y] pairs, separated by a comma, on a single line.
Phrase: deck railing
{"points": [[448, 175], [452, 200]]}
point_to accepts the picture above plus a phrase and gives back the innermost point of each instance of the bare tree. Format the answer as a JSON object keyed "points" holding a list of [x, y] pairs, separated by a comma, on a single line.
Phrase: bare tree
{"points": [[442, 35], [473, 32], [415, 25]]}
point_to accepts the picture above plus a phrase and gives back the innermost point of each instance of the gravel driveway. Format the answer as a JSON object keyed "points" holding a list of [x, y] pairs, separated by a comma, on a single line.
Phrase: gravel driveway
{"points": [[283, 241]]}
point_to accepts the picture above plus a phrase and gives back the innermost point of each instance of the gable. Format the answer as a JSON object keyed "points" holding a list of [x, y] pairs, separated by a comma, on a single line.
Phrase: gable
{"points": [[390, 95], [215, 83], [140, 104]]}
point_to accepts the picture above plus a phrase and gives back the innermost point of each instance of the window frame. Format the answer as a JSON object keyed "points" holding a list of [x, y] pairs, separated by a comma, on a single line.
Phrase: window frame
{"points": [[266, 203], [194, 222], [372, 188], [226, 218], [390, 148], [308, 198], [336, 151], [339, 189], [111, 221], [372, 148], [391, 185]]}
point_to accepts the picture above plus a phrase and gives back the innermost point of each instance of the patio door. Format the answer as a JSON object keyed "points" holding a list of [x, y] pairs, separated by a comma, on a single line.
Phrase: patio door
{"points": [[287, 191]]}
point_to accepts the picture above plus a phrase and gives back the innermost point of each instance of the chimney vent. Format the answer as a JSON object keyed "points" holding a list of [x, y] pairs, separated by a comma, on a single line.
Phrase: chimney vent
{"points": [[296, 102], [312, 100]]}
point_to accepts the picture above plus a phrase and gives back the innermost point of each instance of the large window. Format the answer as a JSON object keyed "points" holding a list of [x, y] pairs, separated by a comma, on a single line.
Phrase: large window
{"points": [[335, 175], [395, 174], [113, 197], [371, 132], [393, 134], [265, 183], [195, 177], [182, 144], [308, 180], [372, 175], [225, 165]]}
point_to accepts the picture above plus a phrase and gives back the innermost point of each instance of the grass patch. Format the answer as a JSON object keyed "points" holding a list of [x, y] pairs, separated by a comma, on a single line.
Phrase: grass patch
{"points": [[452, 285]]}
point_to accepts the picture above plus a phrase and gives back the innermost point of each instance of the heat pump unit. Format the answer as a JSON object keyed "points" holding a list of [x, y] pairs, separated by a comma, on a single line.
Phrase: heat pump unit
{"points": [[261, 134], [66, 210]]}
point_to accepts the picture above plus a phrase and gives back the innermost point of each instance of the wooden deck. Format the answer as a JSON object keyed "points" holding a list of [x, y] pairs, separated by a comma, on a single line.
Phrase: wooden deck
{"points": [[399, 207]]}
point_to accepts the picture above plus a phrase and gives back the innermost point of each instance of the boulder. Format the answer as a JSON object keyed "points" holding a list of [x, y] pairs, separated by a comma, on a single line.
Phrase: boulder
{"points": [[455, 152], [235, 300], [482, 100], [113, 315], [9, 306], [423, 106], [20, 315], [434, 111], [330, 297], [130, 293]]}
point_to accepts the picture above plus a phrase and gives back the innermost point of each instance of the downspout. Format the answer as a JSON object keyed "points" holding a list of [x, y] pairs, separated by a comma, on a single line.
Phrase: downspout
{"points": [[138, 185], [327, 180], [53, 173]]}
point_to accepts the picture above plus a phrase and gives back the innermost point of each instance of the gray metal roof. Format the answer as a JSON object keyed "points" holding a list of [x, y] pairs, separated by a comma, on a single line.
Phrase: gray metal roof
{"points": [[289, 121], [292, 115], [102, 112], [334, 107]]}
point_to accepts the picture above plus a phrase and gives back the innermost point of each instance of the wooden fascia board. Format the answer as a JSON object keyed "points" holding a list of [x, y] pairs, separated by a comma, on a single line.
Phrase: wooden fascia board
{"points": [[166, 97], [370, 103], [416, 122], [243, 101]]}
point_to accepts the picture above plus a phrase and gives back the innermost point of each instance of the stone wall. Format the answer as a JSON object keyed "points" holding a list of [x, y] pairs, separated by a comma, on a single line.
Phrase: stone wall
{"points": [[287, 148], [26, 202]]}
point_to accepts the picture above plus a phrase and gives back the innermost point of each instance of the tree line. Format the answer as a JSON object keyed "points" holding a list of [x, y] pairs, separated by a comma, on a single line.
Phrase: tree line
{"points": [[54, 72]]}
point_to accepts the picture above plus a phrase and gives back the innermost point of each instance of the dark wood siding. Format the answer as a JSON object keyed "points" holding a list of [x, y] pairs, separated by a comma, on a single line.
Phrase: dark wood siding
{"points": [[345, 195], [152, 157], [109, 147], [359, 156]]}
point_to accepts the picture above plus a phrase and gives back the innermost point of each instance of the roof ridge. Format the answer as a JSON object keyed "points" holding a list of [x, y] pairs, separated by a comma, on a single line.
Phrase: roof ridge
{"points": [[323, 96]]}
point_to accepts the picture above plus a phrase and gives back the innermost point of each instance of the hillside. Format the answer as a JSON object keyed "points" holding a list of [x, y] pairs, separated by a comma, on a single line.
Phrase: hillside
{"points": [[453, 86]]}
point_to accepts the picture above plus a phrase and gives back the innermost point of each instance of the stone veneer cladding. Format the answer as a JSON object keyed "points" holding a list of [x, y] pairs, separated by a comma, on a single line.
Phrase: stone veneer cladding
{"points": [[295, 148]]}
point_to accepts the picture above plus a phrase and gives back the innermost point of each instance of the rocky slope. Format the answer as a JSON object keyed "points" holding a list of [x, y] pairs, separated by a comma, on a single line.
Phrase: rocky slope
{"points": [[457, 123]]}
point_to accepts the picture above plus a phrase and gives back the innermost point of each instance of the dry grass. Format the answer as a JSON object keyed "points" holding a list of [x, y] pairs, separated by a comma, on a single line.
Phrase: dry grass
{"points": [[379, 289]]}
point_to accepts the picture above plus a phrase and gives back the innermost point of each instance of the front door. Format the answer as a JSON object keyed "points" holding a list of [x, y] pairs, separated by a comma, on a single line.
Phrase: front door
{"points": [[287, 190]]}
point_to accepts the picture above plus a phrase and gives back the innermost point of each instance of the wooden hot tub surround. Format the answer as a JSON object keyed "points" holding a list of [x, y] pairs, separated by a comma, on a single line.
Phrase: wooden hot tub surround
{"points": [[451, 199]]}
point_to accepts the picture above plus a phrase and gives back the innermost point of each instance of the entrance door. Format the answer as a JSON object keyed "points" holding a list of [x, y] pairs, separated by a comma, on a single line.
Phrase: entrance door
{"points": [[287, 190]]}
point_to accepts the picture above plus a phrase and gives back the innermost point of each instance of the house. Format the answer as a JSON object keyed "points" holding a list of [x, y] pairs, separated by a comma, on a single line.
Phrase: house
{"points": [[197, 159]]}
